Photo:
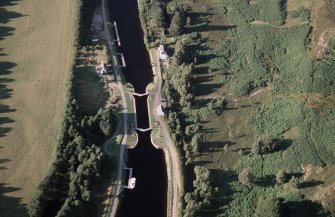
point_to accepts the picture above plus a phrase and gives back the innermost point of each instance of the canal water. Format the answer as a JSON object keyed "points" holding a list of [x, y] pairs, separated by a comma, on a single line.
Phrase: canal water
{"points": [[148, 198]]}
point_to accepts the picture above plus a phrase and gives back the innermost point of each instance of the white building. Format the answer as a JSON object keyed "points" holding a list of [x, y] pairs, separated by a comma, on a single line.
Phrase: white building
{"points": [[101, 69], [162, 53], [131, 183], [161, 109]]}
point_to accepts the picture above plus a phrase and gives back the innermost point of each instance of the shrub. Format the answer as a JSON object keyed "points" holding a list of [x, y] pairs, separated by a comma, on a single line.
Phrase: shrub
{"points": [[176, 24], [246, 178], [268, 207], [295, 182], [264, 146], [157, 15], [281, 177]]}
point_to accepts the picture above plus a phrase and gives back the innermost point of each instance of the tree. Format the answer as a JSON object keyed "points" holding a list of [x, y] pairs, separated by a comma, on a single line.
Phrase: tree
{"points": [[176, 24], [202, 185], [268, 207], [264, 146], [157, 15], [192, 207], [86, 195], [246, 178], [179, 53], [281, 177], [202, 194], [226, 147], [294, 182], [195, 143]]}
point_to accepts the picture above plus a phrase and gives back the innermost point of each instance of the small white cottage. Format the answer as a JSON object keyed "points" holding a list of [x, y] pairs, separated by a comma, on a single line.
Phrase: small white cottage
{"points": [[162, 53], [101, 69]]}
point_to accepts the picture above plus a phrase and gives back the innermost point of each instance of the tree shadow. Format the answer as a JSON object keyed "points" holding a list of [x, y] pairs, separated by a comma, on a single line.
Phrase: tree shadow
{"points": [[6, 109], [218, 28], [6, 67], [202, 79], [223, 179], [199, 103], [5, 32], [10, 206], [200, 23], [5, 93], [202, 162], [205, 58], [298, 175], [306, 208], [283, 144], [217, 145], [231, 108], [6, 15], [311, 183], [199, 70], [3, 161], [209, 130], [266, 181], [245, 151], [207, 89], [4, 131]]}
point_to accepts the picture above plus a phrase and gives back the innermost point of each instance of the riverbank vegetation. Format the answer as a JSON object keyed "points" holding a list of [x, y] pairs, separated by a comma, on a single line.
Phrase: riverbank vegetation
{"points": [[250, 94], [71, 186]]}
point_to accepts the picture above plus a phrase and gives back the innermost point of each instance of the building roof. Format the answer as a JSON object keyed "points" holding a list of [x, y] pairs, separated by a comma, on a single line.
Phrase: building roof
{"points": [[160, 111], [162, 53], [101, 69]]}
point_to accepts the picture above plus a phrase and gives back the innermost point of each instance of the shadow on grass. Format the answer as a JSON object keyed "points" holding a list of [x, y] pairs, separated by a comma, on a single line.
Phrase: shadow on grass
{"points": [[200, 23], [5, 93], [214, 146], [245, 151], [5, 66], [223, 179], [266, 181], [207, 89], [311, 183], [200, 70], [305, 208], [9, 205], [283, 144]]}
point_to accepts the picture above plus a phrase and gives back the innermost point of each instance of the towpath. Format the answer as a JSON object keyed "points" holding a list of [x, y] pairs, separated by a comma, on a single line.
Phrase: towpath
{"points": [[112, 51], [168, 141]]}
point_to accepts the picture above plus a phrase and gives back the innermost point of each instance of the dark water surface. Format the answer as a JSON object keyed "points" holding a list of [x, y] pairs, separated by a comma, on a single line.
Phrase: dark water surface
{"points": [[148, 199]]}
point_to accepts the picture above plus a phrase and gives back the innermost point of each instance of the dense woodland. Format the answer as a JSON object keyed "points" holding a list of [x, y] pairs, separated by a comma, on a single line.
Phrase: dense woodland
{"points": [[67, 189]]}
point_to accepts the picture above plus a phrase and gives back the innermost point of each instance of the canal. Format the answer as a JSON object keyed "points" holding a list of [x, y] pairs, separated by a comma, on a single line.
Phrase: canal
{"points": [[149, 198]]}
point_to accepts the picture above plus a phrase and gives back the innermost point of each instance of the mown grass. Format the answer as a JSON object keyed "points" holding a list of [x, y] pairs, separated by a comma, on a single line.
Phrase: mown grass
{"points": [[36, 57], [89, 90]]}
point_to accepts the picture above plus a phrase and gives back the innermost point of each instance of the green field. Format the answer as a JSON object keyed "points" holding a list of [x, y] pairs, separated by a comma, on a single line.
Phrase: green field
{"points": [[89, 89], [36, 46], [270, 64]]}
